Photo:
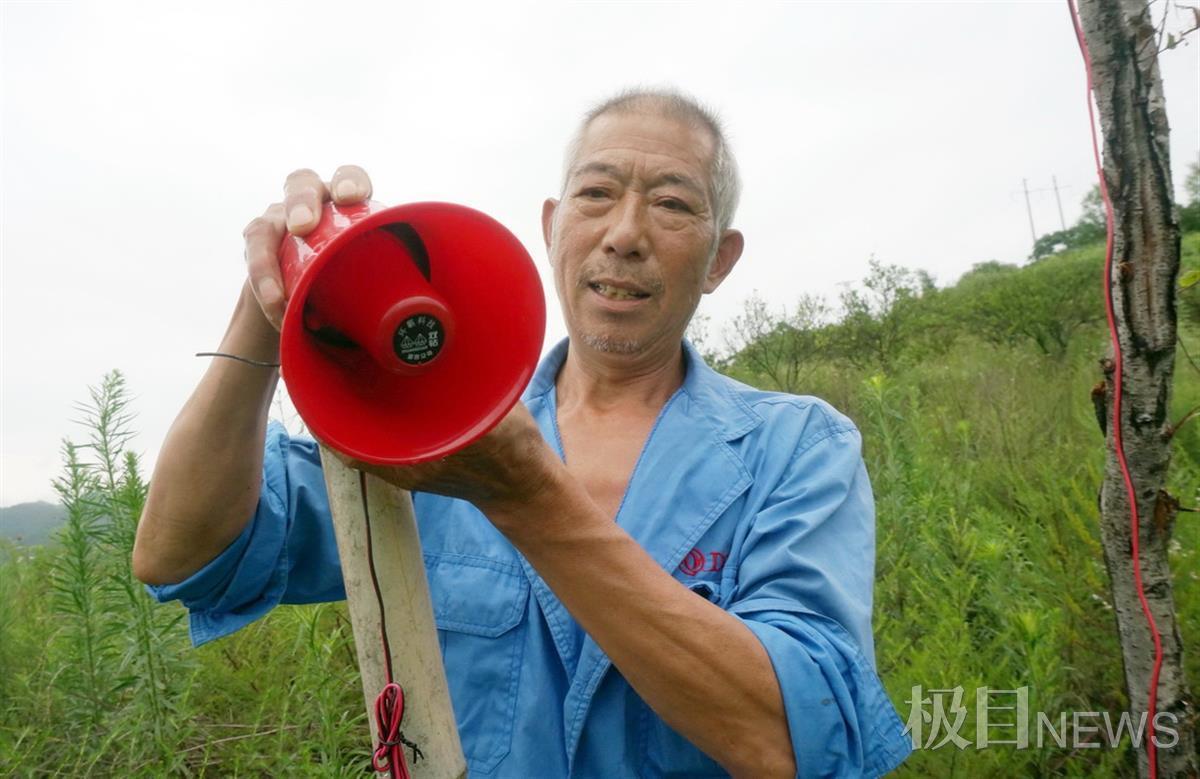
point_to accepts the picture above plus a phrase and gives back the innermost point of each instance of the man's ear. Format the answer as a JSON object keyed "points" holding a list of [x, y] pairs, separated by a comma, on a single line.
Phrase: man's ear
{"points": [[729, 251], [548, 209]]}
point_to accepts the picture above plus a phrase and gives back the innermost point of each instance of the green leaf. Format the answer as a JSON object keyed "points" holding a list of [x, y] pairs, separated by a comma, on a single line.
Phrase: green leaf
{"points": [[1189, 279]]}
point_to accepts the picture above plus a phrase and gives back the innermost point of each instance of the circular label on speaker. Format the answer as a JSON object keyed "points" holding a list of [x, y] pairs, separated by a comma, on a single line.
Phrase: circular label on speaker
{"points": [[418, 339]]}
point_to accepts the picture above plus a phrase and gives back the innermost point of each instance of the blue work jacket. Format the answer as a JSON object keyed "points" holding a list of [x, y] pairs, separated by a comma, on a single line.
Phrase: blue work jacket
{"points": [[757, 501]]}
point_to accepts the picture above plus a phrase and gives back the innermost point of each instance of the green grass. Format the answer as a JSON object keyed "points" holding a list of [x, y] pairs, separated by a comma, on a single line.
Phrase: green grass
{"points": [[985, 457]]}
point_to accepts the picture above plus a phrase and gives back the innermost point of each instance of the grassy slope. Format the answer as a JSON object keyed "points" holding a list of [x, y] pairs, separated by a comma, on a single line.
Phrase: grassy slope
{"points": [[985, 463]]}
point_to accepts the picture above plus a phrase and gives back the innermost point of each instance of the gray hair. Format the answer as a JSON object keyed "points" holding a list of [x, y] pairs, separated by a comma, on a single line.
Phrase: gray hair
{"points": [[725, 184]]}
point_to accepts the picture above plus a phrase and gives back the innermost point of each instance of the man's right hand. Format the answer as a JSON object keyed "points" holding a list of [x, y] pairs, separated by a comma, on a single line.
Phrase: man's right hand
{"points": [[304, 196], [208, 476]]}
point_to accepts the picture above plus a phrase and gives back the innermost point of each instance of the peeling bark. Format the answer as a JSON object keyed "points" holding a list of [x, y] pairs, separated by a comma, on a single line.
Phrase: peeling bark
{"points": [[1128, 91]]}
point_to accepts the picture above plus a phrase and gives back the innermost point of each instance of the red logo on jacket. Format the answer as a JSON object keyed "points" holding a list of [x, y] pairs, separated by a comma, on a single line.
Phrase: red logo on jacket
{"points": [[699, 561]]}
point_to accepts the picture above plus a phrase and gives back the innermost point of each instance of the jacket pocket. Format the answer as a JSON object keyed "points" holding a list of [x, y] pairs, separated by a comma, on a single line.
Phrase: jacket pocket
{"points": [[478, 605]]}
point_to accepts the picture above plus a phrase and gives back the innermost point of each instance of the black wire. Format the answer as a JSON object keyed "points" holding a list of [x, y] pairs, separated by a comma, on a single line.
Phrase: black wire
{"points": [[246, 360], [387, 649]]}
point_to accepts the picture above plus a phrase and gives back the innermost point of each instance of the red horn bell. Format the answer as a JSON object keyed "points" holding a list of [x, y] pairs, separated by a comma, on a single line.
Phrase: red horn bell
{"points": [[409, 331]]}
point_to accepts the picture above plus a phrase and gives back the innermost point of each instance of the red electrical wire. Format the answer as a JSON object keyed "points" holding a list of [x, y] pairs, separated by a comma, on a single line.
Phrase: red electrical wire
{"points": [[389, 712], [389, 704], [1118, 380]]}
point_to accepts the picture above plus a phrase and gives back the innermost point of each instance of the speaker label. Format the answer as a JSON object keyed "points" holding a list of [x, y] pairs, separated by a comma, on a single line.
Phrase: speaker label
{"points": [[419, 339]]}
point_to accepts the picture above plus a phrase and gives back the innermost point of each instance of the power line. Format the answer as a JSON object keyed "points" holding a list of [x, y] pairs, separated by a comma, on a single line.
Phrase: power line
{"points": [[1056, 189]]}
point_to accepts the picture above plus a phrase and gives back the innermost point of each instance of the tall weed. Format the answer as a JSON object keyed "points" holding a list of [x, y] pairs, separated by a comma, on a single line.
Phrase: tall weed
{"points": [[985, 458]]}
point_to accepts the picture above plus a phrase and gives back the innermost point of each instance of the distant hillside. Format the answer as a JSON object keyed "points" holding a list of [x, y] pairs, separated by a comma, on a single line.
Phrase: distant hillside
{"points": [[898, 318], [31, 524]]}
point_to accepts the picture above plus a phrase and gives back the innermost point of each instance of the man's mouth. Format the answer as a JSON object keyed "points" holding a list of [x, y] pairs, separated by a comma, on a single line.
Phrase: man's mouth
{"points": [[613, 292]]}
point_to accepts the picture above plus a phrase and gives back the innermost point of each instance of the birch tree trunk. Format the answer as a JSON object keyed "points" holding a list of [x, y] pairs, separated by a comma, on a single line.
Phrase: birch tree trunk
{"points": [[1128, 90]]}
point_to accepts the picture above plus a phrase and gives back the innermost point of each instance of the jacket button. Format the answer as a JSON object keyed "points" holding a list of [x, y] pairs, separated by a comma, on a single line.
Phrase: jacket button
{"points": [[703, 590]]}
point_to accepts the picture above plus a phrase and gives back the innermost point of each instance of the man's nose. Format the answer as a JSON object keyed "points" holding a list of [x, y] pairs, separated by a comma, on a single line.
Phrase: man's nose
{"points": [[626, 237]]}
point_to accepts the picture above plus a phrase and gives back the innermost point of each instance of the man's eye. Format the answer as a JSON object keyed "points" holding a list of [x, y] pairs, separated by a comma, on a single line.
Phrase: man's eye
{"points": [[671, 204], [595, 193]]}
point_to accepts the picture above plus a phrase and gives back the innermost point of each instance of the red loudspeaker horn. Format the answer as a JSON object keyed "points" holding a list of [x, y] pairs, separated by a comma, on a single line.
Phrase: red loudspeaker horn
{"points": [[409, 331]]}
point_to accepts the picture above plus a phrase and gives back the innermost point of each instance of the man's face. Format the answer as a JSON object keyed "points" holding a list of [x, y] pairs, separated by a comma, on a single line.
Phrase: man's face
{"points": [[633, 242]]}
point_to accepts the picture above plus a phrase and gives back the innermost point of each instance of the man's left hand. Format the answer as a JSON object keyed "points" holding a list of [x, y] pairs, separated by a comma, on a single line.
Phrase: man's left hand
{"points": [[502, 471]]}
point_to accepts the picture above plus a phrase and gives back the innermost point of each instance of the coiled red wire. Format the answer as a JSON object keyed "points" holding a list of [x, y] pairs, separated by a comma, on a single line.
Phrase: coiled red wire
{"points": [[389, 713]]}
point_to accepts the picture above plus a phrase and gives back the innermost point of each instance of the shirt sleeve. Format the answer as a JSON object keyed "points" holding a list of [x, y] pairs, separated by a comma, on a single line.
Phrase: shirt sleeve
{"points": [[805, 583], [286, 554]]}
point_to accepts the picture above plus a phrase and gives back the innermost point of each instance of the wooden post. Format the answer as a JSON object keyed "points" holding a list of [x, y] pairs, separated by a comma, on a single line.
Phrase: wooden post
{"points": [[412, 633]]}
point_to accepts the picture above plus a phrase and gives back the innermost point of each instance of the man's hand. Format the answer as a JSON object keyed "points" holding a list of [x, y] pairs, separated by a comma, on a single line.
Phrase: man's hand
{"points": [[304, 196], [502, 472], [208, 475]]}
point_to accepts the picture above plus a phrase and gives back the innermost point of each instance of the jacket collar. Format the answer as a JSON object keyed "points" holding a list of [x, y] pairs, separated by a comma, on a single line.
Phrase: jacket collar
{"points": [[686, 477], [712, 399]]}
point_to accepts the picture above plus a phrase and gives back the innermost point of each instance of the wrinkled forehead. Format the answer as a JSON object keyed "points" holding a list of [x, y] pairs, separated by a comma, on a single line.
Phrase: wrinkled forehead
{"points": [[648, 140]]}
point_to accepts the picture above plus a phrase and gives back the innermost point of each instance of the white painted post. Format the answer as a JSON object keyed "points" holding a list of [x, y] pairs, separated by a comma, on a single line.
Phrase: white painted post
{"points": [[412, 633]]}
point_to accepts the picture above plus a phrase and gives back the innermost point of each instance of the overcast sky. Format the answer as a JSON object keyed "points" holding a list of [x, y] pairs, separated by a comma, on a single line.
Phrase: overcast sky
{"points": [[138, 139]]}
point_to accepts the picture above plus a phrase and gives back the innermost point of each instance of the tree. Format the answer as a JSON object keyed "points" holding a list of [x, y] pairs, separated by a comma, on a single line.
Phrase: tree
{"points": [[877, 320], [1191, 184], [1087, 230], [1045, 303], [698, 332], [1121, 42], [1093, 214], [780, 345], [1189, 213]]}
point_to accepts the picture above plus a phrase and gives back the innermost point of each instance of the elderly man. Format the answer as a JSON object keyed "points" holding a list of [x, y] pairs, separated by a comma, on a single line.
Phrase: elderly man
{"points": [[646, 569]]}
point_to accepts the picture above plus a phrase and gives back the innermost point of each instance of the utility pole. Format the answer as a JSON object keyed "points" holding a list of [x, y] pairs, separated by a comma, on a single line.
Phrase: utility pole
{"points": [[1058, 200], [1029, 210]]}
